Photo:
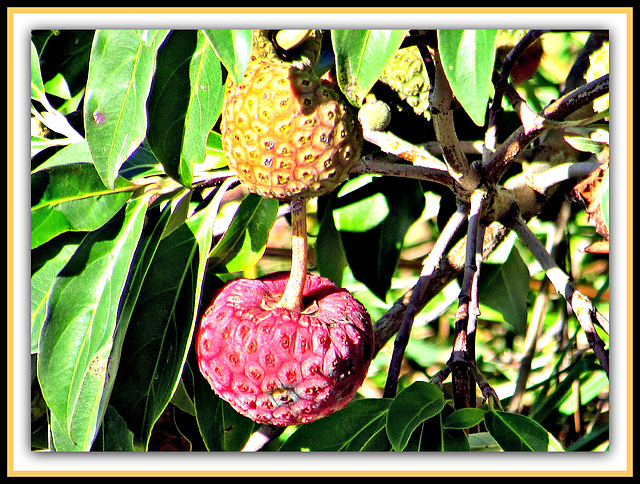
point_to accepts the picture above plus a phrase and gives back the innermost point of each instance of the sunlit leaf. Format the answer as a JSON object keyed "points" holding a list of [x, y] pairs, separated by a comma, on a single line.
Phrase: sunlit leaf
{"points": [[349, 429], [115, 108], [515, 432], [46, 262], [72, 198], [468, 57], [77, 337], [412, 406], [205, 102], [245, 240], [233, 48], [361, 56]]}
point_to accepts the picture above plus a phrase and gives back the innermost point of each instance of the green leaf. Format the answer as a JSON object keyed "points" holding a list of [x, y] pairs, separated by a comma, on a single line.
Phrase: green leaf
{"points": [[483, 442], [205, 103], [184, 103], [361, 56], [77, 337], [46, 262], [583, 143], [72, 198], [115, 110], [504, 288], [163, 319], [464, 418], [114, 436], [515, 432], [215, 157], [373, 254], [39, 143], [169, 101], [37, 86], [468, 57], [73, 153], [330, 257], [353, 428], [58, 86], [592, 385], [233, 48], [245, 240], [364, 214], [412, 406]]}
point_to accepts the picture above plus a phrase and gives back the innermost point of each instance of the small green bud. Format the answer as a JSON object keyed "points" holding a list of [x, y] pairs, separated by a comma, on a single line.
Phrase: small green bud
{"points": [[374, 116]]}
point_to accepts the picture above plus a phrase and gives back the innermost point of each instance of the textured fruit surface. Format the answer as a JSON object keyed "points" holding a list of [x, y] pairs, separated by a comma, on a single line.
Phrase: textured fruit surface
{"points": [[406, 74], [281, 367], [286, 133]]}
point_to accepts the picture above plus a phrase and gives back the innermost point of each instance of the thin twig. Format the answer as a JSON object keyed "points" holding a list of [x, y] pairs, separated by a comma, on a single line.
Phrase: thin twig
{"points": [[538, 313], [583, 308], [463, 353], [390, 143], [431, 263], [441, 101], [499, 161], [385, 165], [501, 82]]}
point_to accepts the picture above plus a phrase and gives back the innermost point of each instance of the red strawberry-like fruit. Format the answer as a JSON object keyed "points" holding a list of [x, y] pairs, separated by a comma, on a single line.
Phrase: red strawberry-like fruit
{"points": [[284, 367]]}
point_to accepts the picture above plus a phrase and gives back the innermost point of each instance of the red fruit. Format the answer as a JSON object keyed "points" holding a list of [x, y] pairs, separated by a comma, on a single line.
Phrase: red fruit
{"points": [[283, 367]]}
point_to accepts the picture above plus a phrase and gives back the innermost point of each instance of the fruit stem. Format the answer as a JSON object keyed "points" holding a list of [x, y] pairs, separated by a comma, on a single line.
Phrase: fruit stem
{"points": [[292, 297]]}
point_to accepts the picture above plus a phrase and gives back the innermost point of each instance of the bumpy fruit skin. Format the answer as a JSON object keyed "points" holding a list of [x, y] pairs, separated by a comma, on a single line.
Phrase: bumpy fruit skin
{"points": [[281, 367], [286, 133], [406, 74]]}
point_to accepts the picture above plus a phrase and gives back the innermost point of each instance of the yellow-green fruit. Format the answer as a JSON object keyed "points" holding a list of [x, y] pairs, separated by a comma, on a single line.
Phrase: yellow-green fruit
{"points": [[285, 133], [406, 74], [374, 116]]}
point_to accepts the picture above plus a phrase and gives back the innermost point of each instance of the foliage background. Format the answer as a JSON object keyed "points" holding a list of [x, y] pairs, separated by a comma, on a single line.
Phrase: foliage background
{"points": [[122, 233]]}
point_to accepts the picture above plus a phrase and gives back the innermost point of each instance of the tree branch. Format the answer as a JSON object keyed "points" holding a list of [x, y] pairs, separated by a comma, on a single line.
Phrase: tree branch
{"points": [[431, 264], [441, 100], [538, 313], [390, 143], [497, 163], [449, 268], [463, 353], [583, 308], [385, 165]]}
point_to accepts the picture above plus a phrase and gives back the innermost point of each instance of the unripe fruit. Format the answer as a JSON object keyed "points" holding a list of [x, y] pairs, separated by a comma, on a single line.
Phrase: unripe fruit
{"points": [[406, 74], [283, 367], [374, 116]]}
